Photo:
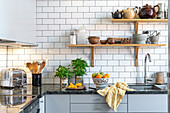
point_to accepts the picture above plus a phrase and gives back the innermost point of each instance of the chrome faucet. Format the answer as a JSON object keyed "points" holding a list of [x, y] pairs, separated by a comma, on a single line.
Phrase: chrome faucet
{"points": [[145, 74]]}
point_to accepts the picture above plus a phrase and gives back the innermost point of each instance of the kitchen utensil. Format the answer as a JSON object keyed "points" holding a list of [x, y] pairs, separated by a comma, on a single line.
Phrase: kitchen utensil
{"points": [[36, 79], [117, 15], [130, 13], [42, 65], [103, 41], [34, 65], [110, 40], [13, 77], [140, 38], [147, 12], [93, 39], [155, 39], [29, 65], [159, 79]]}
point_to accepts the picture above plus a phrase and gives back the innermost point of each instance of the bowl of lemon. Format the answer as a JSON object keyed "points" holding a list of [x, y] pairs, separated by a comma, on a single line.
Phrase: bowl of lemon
{"points": [[100, 79]]}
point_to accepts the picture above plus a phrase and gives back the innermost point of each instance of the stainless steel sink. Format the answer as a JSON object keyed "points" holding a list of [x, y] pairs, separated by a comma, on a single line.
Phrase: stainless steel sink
{"points": [[163, 87], [148, 87]]}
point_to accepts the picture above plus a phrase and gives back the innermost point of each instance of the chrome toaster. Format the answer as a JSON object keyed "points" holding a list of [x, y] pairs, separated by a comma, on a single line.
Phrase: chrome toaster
{"points": [[13, 77]]}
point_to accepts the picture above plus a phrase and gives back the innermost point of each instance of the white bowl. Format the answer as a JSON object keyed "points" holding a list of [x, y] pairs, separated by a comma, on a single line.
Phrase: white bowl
{"points": [[100, 82]]}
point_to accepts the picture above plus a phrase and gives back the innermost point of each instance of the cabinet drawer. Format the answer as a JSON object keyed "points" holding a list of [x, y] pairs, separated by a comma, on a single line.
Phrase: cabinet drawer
{"points": [[95, 98], [97, 108], [155, 103]]}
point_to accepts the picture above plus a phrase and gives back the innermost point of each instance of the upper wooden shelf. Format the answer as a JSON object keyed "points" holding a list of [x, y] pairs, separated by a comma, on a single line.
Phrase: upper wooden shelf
{"points": [[104, 45], [139, 20]]}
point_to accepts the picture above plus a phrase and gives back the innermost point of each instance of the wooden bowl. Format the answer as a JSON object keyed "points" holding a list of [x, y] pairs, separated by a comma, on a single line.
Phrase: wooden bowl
{"points": [[93, 39], [110, 40], [103, 41]]}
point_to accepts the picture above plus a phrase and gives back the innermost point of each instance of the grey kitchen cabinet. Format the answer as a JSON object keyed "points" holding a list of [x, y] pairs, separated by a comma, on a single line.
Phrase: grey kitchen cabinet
{"points": [[57, 104], [145, 103], [94, 103]]}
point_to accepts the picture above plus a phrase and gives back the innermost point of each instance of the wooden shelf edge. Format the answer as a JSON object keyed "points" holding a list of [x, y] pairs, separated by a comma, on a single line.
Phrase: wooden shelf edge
{"points": [[139, 20], [110, 45]]}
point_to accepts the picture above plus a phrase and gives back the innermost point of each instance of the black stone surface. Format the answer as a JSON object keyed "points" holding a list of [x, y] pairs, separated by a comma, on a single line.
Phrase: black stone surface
{"points": [[57, 89]]}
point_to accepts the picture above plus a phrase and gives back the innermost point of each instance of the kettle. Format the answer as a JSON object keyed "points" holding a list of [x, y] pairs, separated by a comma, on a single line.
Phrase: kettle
{"points": [[148, 12], [130, 13], [117, 15]]}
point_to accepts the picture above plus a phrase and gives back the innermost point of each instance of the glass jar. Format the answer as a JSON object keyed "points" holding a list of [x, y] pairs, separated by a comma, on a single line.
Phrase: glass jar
{"points": [[79, 79]]}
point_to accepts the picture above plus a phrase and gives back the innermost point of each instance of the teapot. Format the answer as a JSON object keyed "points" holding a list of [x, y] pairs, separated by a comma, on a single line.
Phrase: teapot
{"points": [[117, 15], [130, 13], [148, 12]]}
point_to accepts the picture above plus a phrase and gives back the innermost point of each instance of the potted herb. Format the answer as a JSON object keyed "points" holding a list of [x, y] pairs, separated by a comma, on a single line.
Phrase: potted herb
{"points": [[79, 69], [63, 73]]}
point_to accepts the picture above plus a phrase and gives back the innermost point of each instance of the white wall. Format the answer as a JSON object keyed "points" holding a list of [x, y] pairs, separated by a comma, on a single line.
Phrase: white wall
{"points": [[56, 18]]}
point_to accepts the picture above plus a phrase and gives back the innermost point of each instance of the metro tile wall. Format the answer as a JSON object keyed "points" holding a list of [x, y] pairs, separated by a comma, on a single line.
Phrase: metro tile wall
{"points": [[55, 19]]}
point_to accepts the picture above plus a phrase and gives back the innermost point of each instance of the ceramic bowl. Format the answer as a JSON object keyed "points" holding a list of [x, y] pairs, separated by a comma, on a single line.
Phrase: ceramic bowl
{"points": [[110, 40], [100, 82], [103, 41], [93, 39], [140, 38]]}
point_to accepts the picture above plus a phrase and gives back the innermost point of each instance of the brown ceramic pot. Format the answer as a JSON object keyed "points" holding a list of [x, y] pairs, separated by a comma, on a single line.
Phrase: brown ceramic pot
{"points": [[93, 39], [103, 41], [147, 12], [110, 40]]}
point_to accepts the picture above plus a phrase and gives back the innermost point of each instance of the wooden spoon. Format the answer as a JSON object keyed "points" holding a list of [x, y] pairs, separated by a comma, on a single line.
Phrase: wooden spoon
{"points": [[42, 65], [29, 65], [34, 65]]}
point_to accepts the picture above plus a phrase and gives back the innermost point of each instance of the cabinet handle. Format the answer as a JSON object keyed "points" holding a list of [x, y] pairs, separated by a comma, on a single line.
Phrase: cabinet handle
{"points": [[98, 109], [97, 99]]}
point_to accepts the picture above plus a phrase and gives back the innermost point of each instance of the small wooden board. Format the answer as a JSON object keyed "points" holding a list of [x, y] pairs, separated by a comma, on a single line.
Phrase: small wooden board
{"points": [[78, 88]]}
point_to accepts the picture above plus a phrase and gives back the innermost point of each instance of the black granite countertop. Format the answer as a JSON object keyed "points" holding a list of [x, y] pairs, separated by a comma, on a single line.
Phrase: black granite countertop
{"points": [[30, 90], [31, 93]]}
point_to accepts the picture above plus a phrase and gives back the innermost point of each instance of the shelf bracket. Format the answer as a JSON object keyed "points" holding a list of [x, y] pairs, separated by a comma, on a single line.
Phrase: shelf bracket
{"points": [[136, 27], [136, 55], [92, 56]]}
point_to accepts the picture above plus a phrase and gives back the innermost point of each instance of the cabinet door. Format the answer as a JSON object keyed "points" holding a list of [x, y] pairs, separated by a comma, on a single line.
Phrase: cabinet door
{"points": [[148, 103], [57, 103]]}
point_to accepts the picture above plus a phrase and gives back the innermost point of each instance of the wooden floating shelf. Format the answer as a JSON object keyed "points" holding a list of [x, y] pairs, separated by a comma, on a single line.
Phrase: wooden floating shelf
{"points": [[116, 45], [139, 20], [136, 21]]}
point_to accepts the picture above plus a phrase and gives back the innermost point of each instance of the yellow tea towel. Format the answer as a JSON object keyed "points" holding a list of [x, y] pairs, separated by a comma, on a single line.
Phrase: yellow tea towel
{"points": [[114, 94]]}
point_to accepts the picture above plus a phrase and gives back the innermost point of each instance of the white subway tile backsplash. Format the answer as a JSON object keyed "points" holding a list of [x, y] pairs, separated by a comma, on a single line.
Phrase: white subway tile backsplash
{"points": [[71, 9], [60, 9], [89, 3], [65, 15], [77, 15], [42, 3], [55, 19], [53, 3], [83, 9], [77, 3], [65, 3], [95, 9], [101, 3], [48, 9]]}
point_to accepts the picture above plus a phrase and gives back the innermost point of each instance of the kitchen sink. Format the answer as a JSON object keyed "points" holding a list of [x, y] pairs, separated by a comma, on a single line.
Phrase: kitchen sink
{"points": [[144, 87], [163, 87]]}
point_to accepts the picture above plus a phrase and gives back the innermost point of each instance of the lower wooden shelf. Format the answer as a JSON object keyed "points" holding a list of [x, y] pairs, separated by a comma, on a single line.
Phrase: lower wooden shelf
{"points": [[137, 46]]}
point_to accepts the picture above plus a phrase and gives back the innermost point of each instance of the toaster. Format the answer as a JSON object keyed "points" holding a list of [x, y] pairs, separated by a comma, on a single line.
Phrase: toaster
{"points": [[13, 77]]}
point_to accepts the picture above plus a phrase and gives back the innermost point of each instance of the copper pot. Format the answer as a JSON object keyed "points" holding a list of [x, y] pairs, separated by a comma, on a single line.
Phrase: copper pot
{"points": [[147, 12], [93, 39]]}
